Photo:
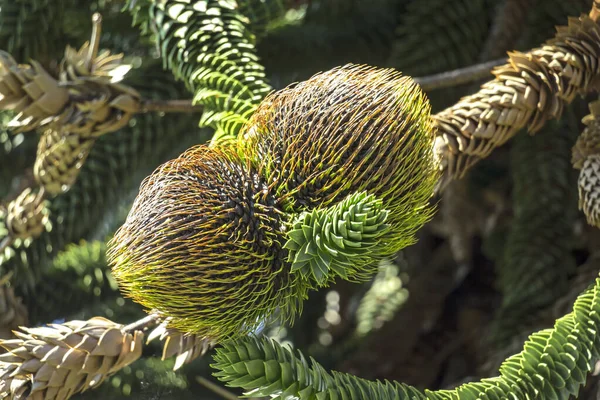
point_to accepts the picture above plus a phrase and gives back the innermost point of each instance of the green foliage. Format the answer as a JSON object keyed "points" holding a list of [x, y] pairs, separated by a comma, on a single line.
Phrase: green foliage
{"points": [[208, 44], [537, 257], [342, 240], [262, 367], [554, 364]]}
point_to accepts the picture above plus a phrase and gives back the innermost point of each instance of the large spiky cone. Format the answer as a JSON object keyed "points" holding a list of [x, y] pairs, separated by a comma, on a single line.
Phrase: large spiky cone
{"points": [[348, 130], [223, 237], [203, 244]]}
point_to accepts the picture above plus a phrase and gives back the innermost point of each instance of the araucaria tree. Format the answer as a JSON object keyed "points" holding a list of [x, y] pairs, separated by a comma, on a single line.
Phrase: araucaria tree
{"points": [[196, 195]]}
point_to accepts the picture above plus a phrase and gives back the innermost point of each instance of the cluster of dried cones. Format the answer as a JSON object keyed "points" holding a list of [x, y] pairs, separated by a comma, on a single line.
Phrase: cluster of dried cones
{"points": [[70, 110]]}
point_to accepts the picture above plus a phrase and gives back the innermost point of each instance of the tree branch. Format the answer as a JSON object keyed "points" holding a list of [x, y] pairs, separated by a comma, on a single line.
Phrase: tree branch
{"points": [[458, 76], [170, 106]]}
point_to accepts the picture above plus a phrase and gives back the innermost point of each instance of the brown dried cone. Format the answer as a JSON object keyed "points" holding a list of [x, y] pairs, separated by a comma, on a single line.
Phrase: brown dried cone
{"points": [[60, 360], [86, 99], [589, 189], [30, 91], [186, 347], [59, 159], [531, 89], [99, 104], [27, 215]]}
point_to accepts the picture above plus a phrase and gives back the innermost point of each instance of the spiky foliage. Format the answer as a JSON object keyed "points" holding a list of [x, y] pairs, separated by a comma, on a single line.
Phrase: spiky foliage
{"points": [[262, 367], [343, 240], [204, 241], [104, 178], [348, 130], [554, 364], [586, 157], [203, 244], [209, 45], [534, 272]]}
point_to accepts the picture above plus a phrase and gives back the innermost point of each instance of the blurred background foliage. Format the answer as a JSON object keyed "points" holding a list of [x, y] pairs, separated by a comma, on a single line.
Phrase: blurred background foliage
{"points": [[505, 255]]}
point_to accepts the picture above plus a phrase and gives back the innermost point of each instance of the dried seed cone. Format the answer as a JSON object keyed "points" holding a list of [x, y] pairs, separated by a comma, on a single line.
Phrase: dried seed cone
{"points": [[99, 104], [532, 89], [26, 216], [59, 159], [203, 245], [58, 361], [30, 91], [589, 189], [348, 130]]}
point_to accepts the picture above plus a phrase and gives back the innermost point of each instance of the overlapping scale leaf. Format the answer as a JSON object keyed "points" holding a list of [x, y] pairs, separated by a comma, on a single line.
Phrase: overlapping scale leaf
{"points": [[339, 241], [263, 367]]}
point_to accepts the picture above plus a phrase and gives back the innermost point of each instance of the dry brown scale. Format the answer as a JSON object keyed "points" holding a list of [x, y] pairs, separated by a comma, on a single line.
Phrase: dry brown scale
{"points": [[26, 215], [55, 362], [61, 360], [533, 88], [185, 347]]}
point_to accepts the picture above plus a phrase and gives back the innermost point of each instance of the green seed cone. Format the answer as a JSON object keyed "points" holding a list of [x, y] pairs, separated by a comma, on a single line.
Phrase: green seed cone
{"points": [[351, 129], [203, 244], [213, 238]]}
